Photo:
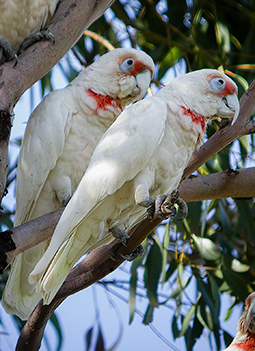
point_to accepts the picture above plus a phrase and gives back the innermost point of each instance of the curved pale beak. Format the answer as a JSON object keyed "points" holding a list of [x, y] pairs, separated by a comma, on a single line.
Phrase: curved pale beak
{"points": [[229, 107], [249, 322], [143, 80]]}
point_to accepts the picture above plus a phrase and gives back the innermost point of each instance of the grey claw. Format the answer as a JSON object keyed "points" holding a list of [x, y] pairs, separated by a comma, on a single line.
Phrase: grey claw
{"points": [[6, 52], [120, 234], [163, 206], [113, 250], [139, 251], [183, 209], [34, 38]]}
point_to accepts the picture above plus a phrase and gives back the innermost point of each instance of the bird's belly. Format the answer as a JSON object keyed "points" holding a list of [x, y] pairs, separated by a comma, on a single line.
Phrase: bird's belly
{"points": [[22, 18], [72, 164]]}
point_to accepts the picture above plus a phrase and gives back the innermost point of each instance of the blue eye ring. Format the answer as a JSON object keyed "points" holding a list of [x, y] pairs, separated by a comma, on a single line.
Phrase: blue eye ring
{"points": [[217, 84], [127, 64]]}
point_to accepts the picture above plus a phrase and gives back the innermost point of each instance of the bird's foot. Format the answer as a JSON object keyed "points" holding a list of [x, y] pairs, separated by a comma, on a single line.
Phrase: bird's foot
{"points": [[123, 236], [34, 38], [6, 52], [120, 234], [163, 206], [65, 202]]}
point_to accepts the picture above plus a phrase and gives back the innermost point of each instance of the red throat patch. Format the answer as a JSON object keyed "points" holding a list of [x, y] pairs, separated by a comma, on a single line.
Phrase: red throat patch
{"points": [[196, 118], [248, 344], [103, 100]]}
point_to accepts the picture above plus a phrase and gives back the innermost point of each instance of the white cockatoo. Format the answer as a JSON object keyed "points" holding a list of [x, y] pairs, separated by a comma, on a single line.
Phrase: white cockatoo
{"points": [[245, 336], [59, 140], [141, 156], [19, 19]]}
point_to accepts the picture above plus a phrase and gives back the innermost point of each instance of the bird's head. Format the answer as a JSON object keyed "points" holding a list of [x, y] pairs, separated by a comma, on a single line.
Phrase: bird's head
{"points": [[123, 74], [247, 320], [207, 92], [245, 336]]}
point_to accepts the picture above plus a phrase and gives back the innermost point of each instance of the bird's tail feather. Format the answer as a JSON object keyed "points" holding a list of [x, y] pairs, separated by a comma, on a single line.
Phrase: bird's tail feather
{"points": [[19, 296]]}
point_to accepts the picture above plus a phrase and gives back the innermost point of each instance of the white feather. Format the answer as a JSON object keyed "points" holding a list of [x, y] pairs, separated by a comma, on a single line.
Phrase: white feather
{"points": [[21, 18], [142, 154], [59, 140]]}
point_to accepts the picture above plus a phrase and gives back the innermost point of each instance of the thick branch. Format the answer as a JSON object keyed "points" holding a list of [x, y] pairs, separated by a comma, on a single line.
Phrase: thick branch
{"points": [[97, 264], [25, 236], [94, 267], [236, 184], [67, 25]]}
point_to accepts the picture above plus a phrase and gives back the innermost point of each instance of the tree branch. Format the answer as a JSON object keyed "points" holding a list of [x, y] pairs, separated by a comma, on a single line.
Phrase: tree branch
{"points": [[25, 236], [93, 268], [97, 264], [67, 25], [236, 184]]}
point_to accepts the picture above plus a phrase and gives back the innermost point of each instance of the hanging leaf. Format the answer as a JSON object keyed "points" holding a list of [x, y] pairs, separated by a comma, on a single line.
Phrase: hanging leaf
{"points": [[88, 338], [153, 266], [148, 317], [54, 320], [100, 340], [185, 323]]}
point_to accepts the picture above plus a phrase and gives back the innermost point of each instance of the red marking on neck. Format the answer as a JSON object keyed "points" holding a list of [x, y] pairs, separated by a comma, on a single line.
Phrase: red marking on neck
{"points": [[248, 344], [103, 100], [196, 118]]}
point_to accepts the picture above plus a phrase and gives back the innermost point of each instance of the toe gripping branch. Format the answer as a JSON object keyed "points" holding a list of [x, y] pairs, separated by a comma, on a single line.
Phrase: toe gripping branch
{"points": [[6, 52], [124, 237], [34, 38], [163, 206]]}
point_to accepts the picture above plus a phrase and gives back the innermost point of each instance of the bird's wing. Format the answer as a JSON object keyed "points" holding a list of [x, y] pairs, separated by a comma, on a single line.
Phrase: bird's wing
{"points": [[43, 141], [121, 154]]}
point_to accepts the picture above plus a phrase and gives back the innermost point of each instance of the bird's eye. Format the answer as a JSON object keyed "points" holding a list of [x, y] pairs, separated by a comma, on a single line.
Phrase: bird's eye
{"points": [[127, 65], [217, 84]]}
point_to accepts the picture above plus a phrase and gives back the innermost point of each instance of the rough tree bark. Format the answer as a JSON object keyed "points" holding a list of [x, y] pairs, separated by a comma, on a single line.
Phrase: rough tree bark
{"points": [[67, 25], [235, 184], [98, 264]]}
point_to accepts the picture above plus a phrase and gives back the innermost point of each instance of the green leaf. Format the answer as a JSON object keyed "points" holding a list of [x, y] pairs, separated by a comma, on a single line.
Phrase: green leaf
{"points": [[88, 338], [164, 252], [132, 294], [215, 293], [194, 210], [204, 317], [100, 340], [236, 282], [246, 218], [55, 322], [225, 221], [153, 266], [208, 298], [180, 288], [175, 329], [148, 317], [227, 338], [171, 269], [196, 332], [187, 319]]}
